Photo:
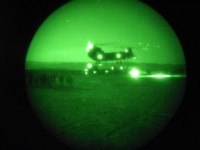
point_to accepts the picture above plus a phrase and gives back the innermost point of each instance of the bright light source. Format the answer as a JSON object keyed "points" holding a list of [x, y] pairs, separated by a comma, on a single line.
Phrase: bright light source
{"points": [[112, 68], [86, 73], [94, 72], [118, 55], [106, 71], [121, 68], [126, 50], [89, 46], [99, 56], [135, 73], [160, 76], [89, 66]]}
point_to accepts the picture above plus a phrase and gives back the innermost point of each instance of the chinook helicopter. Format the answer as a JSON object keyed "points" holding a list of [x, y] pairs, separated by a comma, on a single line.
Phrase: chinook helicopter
{"points": [[98, 55]]}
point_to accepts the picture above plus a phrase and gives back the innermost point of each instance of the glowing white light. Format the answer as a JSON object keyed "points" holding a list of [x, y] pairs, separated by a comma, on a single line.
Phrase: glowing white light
{"points": [[160, 76], [121, 68], [112, 68], [86, 73], [126, 50], [89, 66], [89, 46], [118, 55], [99, 56], [94, 72], [106, 71], [135, 73]]}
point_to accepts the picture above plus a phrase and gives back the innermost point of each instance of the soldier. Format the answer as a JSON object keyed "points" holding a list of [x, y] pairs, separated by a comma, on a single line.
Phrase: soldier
{"points": [[69, 80]]}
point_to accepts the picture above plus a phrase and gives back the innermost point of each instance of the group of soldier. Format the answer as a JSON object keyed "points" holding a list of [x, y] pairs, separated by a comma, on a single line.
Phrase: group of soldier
{"points": [[48, 79]]}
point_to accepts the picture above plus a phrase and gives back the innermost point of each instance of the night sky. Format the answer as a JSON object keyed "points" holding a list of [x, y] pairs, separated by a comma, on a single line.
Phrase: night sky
{"points": [[112, 25]]}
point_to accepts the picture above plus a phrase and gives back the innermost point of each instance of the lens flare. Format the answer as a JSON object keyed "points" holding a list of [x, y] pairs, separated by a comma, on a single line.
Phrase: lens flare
{"points": [[161, 76], [89, 66], [89, 46], [135, 73], [99, 56]]}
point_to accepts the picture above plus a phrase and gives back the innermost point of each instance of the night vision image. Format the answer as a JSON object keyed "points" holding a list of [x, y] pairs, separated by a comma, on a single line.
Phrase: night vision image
{"points": [[105, 75]]}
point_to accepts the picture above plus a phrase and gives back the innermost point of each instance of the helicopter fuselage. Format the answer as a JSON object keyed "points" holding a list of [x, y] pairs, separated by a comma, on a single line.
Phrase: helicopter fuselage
{"points": [[98, 54]]}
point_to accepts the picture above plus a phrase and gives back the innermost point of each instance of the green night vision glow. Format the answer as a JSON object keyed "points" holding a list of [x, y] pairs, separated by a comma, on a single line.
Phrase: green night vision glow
{"points": [[135, 73], [85, 83], [89, 66], [99, 56], [118, 55], [89, 47], [161, 76]]}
